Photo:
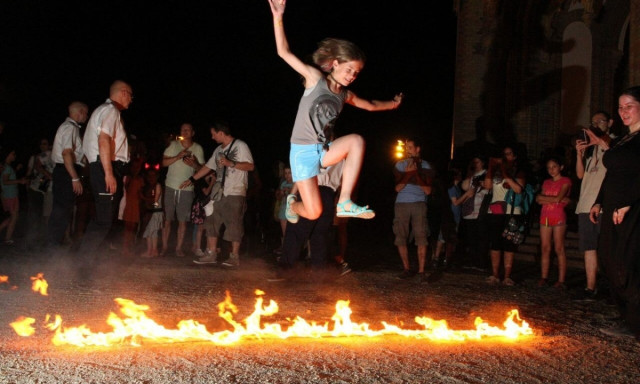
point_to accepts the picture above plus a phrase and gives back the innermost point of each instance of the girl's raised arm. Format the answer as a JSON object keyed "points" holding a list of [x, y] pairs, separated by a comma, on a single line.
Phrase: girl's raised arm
{"points": [[311, 74]]}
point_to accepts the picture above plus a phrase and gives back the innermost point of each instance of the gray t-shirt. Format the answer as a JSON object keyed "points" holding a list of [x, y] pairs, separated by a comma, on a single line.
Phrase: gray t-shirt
{"points": [[317, 112]]}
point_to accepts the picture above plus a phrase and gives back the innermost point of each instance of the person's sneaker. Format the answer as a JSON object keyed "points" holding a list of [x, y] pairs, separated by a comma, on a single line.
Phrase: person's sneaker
{"points": [[209, 257], [542, 283], [586, 295], [406, 274], [508, 282], [492, 280], [233, 261], [198, 253], [618, 331], [344, 268], [291, 216], [424, 279]]}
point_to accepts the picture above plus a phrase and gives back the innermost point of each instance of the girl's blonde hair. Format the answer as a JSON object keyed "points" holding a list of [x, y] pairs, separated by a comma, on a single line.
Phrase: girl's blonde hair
{"points": [[336, 49]]}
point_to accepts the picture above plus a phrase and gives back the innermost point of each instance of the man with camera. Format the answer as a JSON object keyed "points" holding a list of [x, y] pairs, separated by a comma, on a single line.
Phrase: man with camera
{"points": [[183, 157], [413, 183], [590, 147]]}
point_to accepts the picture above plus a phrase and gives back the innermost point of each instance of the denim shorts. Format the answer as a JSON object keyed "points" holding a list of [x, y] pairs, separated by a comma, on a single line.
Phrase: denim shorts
{"points": [[305, 160]]}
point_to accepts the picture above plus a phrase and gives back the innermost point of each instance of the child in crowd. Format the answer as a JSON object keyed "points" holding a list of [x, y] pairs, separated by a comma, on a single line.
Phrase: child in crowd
{"points": [[151, 196], [448, 235], [133, 184], [283, 191], [9, 190], [553, 220], [202, 190]]}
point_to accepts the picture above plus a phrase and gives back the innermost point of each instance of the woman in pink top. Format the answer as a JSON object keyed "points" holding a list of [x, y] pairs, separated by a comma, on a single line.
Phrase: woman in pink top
{"points": [[553, 220]]}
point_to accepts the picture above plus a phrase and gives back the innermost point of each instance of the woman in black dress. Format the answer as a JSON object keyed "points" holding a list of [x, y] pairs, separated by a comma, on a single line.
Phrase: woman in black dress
{"points": [[619, 205]]}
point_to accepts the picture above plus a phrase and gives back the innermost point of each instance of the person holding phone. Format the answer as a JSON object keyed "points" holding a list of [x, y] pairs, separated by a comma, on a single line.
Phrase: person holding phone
{"points": [[183, 157], [591, 171]]}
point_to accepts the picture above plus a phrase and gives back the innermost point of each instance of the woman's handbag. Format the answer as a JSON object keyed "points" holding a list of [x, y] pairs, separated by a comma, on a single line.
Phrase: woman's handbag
{"points": [[516, 229]]}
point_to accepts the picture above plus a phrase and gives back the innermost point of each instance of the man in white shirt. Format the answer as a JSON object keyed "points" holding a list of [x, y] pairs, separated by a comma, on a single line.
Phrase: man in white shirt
{"points": [[183, 157], [67, 155], [106, 148], [232, 161]]}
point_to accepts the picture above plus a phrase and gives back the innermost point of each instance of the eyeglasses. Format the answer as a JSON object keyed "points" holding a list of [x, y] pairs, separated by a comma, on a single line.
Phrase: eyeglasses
{"points": [[595, 123], [129, 92], [508, 154]]}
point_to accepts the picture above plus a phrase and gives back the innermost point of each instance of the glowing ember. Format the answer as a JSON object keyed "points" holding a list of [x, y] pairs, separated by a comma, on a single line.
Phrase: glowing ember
{"points": [[134, 327], [23, 326], [4, 279], [39, 284]]}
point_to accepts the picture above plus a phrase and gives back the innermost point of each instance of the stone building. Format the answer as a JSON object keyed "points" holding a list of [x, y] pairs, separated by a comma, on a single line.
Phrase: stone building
{"points": [[534, 71]]}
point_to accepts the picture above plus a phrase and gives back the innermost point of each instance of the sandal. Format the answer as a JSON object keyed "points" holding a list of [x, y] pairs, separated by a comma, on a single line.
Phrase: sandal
{"points": [[291, 216], [354, 210]]}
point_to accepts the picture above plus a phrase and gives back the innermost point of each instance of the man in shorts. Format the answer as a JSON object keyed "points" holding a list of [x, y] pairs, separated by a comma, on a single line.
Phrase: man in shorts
{"points": [[183, 157], [591, 171], [412, 185], [232, 161]]}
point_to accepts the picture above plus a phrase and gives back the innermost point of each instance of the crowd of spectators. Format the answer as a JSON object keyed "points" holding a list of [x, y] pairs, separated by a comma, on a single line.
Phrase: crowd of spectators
{"points": [[456, 217]]}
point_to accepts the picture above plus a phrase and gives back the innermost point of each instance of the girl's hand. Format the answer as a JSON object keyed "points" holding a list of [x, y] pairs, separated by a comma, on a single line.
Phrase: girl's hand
{"points": [[618, 214], [277, 7], [397, 100]]}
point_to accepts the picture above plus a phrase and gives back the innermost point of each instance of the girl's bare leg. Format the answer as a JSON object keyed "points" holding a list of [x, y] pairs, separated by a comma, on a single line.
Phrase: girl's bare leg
{"points": [[508, 264], [495, 263], [350, 148], [12, 224], [311, 205], [558, 240], [545, 250]]}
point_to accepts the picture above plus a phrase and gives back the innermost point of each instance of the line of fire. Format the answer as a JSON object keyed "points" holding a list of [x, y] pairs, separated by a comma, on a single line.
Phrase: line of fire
{"points": [[133, 326]]}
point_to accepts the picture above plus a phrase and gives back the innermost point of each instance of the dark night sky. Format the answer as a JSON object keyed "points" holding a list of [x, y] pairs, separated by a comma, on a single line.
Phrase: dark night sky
{"points": [[196, 61]]}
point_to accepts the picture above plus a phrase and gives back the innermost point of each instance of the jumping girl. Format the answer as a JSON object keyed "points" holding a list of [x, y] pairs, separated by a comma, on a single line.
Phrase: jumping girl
{"points": [[337, 64]]}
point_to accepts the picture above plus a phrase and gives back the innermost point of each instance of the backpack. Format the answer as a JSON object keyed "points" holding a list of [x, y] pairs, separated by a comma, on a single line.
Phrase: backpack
{"points": [[524, 199]]}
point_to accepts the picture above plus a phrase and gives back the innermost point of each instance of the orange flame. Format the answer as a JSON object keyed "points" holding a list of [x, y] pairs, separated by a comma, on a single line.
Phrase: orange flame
{"points": [[134, 327], [39, 284], [4, 279], [23, 326]]}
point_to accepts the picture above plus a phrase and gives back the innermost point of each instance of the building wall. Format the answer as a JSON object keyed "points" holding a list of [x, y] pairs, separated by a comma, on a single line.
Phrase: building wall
{"points": [[509, 67], [471, 65]]}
